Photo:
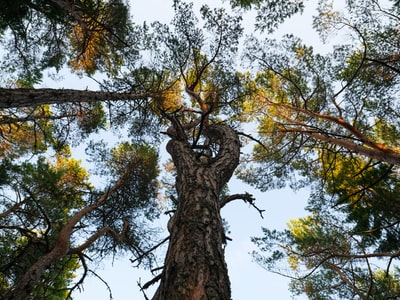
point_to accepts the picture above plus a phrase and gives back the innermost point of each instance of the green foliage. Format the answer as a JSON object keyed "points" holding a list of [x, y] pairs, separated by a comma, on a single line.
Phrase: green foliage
{"points": [[19, 137], [46, 195], [246, 4], [38, 128], [331, 122], [326, 259], [134, 202], [39, 35], [346, 244], [48, 201], [39, 199], [311, 102], [271, 13], [92, 118], [368, 194], [101, 40], [141, 163]]}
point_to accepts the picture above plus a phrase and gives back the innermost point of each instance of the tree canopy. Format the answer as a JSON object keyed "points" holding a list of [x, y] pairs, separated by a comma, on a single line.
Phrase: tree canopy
{"points": [[327, 122], [334, 123], [37, 35]]}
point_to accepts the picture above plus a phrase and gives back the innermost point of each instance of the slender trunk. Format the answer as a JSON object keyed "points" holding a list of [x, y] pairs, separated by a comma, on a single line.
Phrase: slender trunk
{"points": [[195, 266], [16, 98]]}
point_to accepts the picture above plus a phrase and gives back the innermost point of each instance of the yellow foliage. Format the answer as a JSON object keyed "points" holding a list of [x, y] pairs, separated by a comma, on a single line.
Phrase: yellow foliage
{"points": [[171, 99], [265, 92], [293, 261], [300, 228], [74, 179], [17, 137], [300, 52], [88, 43]]}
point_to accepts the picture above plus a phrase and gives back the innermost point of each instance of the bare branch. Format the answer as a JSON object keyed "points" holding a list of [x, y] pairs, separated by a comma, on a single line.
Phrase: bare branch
{"points": [[385, 155], [252, 138], [144, 254], [248, 198], [103, 281], [11, 209], [151, 282], [99, 233]]}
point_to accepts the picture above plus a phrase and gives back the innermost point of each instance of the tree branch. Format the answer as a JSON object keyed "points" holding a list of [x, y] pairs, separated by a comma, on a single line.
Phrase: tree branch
{"points": [[252, 138], [149, 251], [99, 233], [60, 249], [346, 280], [151, 282], [385, 155], [15, 98], [248, 198]]}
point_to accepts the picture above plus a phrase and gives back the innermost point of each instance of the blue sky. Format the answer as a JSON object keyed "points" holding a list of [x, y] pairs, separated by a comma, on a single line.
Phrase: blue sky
{"points": [[248, 280]]}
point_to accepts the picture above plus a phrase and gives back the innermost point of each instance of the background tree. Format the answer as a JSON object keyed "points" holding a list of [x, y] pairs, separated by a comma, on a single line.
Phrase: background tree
{"points": [[339, 99], [38, 35], [51, 215], [348, 246], [331, 121], [190, 83]]}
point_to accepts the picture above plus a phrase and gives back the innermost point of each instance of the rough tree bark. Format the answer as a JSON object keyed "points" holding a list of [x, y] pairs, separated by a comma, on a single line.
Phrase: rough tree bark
{"points": [[195, 266], [17, 98]]}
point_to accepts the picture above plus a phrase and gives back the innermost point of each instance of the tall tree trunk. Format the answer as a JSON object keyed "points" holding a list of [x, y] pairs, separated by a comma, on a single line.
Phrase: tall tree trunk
{"points": [[195, 266]]}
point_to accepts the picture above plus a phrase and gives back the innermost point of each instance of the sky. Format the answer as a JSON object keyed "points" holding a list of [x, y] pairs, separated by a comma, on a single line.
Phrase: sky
{"points": [[248, 280]]}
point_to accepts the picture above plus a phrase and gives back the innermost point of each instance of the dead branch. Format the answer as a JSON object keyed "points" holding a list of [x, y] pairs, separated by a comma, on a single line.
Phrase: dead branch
{"points": [[144, 254], [248, 198], [149, 283]]}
